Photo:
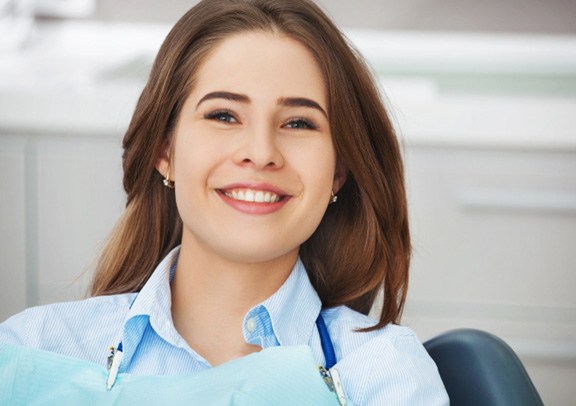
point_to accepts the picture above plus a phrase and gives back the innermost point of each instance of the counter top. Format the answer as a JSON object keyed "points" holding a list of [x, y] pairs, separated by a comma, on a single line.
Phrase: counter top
{"points": [[83, 79]]}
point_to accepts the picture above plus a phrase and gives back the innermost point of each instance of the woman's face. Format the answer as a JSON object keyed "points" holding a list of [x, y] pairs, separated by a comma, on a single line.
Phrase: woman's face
{"points": [[252, 155]]}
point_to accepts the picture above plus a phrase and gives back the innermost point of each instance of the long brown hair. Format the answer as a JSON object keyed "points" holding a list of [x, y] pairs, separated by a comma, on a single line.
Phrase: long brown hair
{"points": [[363, 241]]}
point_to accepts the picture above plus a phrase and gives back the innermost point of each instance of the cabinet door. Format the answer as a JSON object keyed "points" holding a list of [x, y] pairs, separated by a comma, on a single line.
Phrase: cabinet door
{"points": [[79, 198], [493, 231], [12, 225]]}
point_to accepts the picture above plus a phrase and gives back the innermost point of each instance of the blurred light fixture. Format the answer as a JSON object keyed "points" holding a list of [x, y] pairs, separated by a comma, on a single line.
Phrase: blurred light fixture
{"points": [[64, 8]]}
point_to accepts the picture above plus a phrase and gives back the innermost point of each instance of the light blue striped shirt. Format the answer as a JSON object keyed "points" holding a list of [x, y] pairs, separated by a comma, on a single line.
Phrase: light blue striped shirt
{"points": [[384, 367]]}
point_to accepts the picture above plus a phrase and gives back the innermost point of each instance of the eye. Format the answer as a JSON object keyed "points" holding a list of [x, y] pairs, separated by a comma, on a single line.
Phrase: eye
{"points": [[301, 124], [222, 116]]}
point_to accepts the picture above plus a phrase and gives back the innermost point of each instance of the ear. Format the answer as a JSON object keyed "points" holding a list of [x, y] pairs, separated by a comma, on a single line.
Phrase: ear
{"points": [[339, 177], [163, 161]]}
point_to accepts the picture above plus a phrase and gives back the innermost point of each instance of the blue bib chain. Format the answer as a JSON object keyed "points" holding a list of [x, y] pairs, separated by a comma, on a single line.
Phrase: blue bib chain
{"points": [[326, 342], [330, 376]]}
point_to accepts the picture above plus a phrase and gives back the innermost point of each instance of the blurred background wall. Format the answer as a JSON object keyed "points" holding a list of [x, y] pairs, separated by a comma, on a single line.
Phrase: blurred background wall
{"points": [[528, 16]]}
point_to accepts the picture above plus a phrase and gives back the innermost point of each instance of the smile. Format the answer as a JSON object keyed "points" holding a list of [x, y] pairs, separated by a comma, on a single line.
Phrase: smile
{"points": [[252, 196]]}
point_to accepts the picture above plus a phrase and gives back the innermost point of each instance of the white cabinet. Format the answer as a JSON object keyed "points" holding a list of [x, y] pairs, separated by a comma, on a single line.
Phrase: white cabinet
{"points": [[60, 198], [494, 234]]}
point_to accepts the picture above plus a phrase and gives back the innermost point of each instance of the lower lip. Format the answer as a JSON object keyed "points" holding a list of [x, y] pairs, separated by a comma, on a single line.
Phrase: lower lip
{"points": [[253, 207]]}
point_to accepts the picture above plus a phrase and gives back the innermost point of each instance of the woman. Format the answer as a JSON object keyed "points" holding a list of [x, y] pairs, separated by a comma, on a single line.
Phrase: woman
{"points": [[265, 209]]}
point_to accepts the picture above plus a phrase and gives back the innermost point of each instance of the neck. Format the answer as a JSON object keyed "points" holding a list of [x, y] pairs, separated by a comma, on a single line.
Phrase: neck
{"points": [[211, 295]]}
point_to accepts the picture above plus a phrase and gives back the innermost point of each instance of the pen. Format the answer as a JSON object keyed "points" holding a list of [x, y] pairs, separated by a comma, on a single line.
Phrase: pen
{"points": [[115, 365]]}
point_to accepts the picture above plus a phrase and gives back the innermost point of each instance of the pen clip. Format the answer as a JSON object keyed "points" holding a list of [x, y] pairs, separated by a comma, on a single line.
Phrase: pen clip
{"points": [[338, 386], [332, 379], [325, 374], [111, 351]]}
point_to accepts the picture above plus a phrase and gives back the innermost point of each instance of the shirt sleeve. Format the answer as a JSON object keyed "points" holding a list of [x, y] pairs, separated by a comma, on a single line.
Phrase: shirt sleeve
{"points": [[392, 368], [13, 330], [79, 329], [404, 374]]}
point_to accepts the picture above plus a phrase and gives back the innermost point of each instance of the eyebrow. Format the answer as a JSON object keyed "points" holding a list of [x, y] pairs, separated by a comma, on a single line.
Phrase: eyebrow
{"points": [[301, 102], [224, 95], [283, 101]]}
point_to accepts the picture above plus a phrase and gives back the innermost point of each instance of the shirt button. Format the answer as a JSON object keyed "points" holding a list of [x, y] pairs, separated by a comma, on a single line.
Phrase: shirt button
{"points": [[251, 325]]}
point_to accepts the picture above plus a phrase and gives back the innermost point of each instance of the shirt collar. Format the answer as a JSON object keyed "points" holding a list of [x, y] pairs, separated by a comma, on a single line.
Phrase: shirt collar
{"points": [[152, 305], [154, 298], [286, 318]]}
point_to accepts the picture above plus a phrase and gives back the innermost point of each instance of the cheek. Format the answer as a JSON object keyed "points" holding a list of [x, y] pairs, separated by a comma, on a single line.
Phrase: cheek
{"points": [[195, 156], [191, 169], [317, 163]]}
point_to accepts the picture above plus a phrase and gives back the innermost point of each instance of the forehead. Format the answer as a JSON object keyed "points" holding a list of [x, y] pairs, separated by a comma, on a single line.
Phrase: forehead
{"points": [[261, 65]]}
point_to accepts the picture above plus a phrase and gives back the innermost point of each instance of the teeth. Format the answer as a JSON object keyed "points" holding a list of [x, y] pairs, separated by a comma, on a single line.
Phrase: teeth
{"points": [[257, 196]]}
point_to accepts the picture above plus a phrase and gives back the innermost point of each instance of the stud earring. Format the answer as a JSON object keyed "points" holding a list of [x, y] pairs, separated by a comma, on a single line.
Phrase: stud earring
{"points": [[167, 182], [333, 197]]}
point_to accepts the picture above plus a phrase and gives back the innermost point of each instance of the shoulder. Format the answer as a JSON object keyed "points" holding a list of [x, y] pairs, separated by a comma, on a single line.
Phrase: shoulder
{"points": [[384, 366], [71, 328], [343, 324]]}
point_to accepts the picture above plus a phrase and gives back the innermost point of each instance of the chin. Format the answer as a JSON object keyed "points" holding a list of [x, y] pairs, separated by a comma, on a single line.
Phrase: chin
{"points": [[259, 253]]}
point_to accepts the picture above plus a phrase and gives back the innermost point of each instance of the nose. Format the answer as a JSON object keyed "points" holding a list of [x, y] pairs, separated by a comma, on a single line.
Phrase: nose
{"points": [[258, 147]]}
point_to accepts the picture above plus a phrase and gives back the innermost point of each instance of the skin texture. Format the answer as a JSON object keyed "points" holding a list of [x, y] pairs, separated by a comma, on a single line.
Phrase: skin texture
{"points": [[253, 127]]}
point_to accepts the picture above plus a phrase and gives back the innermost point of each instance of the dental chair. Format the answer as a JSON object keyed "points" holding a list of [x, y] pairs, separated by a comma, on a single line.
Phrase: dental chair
{"points": [[480, 369]]}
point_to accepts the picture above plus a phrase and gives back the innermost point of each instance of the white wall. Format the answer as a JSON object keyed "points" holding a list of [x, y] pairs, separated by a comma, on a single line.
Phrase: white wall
{"points": [[529, 16]]}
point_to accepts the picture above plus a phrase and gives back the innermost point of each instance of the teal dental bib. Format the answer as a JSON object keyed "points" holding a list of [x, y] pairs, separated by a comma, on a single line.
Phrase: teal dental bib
{"points": [[274, 376]]}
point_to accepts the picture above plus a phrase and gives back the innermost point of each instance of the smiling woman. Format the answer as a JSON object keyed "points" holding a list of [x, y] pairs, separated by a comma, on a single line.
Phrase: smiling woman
{"points": [[265, 211]]}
